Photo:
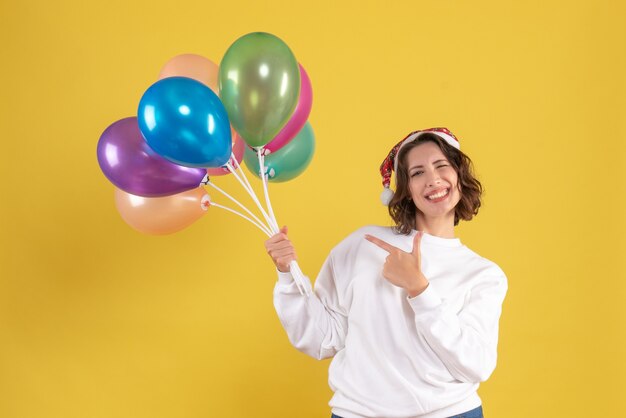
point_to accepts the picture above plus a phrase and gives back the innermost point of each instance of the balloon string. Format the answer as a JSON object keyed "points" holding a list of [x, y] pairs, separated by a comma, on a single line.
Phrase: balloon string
{"points": [[232, 168], [298, 276], [265, 229], [254, 198], [248, 188], [264, 176], [241, 171], [245, 178], [261, 227], [271, 221]]}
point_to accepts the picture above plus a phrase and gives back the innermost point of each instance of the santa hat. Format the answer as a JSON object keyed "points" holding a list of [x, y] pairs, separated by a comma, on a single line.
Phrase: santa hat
{"points": [[390, 163]]}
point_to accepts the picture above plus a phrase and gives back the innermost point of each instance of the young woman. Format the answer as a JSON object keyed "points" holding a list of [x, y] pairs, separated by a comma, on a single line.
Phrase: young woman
{"points": [[409, 314]]}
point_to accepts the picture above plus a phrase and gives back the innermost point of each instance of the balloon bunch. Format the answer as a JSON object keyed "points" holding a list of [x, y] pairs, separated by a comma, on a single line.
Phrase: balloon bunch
{"points": [[199, 121]]}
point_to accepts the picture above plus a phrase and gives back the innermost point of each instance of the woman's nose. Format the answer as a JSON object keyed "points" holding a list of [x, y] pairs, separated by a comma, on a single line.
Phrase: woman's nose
{"points": [[433, 179]]}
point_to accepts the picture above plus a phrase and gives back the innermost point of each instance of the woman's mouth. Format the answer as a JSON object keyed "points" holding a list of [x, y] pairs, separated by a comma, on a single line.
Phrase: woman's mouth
{"points": [[438, 196]]}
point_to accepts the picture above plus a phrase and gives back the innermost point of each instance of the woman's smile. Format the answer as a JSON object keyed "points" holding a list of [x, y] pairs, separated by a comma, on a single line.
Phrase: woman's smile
{"points": [[438, 195]]}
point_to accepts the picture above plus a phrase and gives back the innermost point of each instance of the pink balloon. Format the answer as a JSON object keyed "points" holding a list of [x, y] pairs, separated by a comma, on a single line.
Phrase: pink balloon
{"points": [[238, 148], [299, 117]]}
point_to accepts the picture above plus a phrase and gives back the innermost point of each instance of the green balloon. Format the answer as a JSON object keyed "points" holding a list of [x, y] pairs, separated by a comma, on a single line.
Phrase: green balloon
{"points": [[259, 82], [289, 161]]}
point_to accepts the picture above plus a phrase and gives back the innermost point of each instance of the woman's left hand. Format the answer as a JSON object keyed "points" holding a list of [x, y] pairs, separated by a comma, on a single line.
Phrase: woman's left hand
{"points": [[403, 269]]}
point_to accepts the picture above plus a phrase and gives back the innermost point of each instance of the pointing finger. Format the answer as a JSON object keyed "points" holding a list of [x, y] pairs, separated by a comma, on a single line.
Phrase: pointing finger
{"points": [[382, 244]]}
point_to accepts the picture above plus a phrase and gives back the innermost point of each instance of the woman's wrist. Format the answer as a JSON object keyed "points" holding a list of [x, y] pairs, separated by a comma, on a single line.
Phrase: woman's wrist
{"points": [[417, 287], [283, 269]]}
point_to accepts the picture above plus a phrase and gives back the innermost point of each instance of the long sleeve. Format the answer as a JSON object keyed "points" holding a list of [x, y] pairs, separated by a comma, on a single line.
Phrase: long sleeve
{"points": [[395, 356], [316, 324], [465, 341]]}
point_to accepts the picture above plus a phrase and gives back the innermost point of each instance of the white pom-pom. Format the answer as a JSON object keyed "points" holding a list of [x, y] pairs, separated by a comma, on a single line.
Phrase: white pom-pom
{"points": [[386, 196]]}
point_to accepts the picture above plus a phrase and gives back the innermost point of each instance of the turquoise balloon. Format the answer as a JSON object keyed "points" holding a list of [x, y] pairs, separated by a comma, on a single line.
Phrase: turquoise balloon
{"points": [[259, 83], [289, 161], [184, 122]]}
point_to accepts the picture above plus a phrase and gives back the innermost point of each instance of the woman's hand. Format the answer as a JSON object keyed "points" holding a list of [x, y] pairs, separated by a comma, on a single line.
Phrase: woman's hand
{"points": [[403, 269], [281, 250]]}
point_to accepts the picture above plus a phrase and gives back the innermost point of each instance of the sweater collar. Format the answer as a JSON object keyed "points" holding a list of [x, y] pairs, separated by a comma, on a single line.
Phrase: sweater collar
{"points": [[433, 240]]}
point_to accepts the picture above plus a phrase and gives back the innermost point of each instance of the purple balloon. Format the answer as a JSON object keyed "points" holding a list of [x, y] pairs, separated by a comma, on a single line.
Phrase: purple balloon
{"points": [[131, 165], [297, 119]]}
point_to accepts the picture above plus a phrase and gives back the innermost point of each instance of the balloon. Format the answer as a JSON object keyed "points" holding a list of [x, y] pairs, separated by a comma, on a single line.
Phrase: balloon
{"points": [[289, 161], [162, 215], [259, 82], [238, 147], [131, 165], [185, 122], [299, 117], [193, 66]]}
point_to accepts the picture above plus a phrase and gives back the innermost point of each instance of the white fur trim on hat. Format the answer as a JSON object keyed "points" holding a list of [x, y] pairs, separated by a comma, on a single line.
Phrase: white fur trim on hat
{"points": [[449, 139]]}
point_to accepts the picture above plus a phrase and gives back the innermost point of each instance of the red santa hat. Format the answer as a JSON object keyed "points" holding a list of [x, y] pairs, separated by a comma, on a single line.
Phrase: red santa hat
{"points": [[390, 163]]}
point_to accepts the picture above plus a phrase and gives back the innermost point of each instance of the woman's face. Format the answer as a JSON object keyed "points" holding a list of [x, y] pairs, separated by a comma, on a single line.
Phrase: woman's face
{"points": [[432, 181]]}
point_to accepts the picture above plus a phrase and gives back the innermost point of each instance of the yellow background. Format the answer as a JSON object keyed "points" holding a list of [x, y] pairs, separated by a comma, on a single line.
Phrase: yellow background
{"points": [[97, 320]]}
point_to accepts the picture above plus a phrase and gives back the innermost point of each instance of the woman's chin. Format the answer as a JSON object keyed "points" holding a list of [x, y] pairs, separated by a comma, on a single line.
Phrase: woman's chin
{"points": [[437, 214]]}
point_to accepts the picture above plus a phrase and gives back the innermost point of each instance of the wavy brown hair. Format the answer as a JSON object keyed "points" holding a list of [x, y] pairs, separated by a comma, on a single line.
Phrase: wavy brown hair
{"points": [[402, 209]]}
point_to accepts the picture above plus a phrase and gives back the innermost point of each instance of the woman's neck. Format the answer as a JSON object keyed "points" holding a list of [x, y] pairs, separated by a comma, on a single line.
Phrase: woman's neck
{"points": [[442, 227]]}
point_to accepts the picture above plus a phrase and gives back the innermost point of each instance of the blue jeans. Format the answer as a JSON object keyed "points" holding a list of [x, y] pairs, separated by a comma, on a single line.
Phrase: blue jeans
{"points": [[474, 413]]}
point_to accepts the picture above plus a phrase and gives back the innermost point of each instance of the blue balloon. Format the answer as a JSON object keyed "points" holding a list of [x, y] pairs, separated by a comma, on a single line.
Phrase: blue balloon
{"points": [[183, 121]]}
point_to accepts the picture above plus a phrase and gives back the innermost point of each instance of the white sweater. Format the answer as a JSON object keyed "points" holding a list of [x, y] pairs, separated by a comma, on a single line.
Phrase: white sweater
{"points": [[394, 356]]}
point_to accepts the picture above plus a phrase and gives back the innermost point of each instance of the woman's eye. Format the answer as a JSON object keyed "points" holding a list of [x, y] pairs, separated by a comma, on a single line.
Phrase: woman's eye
{"points": [[416, 173], [442, 165]]}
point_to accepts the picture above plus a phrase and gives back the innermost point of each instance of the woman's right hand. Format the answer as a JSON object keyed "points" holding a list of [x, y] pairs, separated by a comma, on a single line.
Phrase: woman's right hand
{"points": [[281, 250]]}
